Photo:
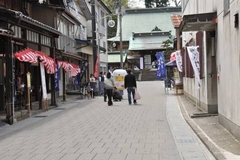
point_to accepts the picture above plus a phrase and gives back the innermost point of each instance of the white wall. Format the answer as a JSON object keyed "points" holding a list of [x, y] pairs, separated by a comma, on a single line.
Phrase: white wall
{"points": [[229, 64], [227, 54]]}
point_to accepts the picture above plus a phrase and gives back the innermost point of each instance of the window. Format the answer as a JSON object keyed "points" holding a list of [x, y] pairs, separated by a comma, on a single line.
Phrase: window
{"points": [[45, 40], [17, 31], [226, 6], [32, 36], [102, 18]]}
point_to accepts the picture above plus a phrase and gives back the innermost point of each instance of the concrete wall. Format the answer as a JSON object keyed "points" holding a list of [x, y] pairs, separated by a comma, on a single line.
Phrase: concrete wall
{"points": [[227, 61]]}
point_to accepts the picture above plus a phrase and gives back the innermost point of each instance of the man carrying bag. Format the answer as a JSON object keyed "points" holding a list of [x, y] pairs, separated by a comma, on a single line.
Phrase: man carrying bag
{"points": [[130, 84]]}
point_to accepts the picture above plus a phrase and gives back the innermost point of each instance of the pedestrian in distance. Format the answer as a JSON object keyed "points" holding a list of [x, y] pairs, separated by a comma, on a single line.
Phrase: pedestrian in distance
{"points": [[130, 84], [88, 91], [109, 84], [92, 81], [105, 92], [101, 83]]}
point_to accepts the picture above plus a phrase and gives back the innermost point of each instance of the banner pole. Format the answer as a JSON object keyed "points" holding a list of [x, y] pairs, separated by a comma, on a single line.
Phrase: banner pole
{"points": [[196, 89]]}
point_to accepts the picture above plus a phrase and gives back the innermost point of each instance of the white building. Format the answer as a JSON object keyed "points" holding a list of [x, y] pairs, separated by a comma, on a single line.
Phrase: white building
{"points": [[101, 13], [214, 27]]}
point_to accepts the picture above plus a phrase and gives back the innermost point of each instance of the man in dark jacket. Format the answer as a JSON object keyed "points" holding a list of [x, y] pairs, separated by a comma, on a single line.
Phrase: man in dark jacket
{"points": [[130, 84]]}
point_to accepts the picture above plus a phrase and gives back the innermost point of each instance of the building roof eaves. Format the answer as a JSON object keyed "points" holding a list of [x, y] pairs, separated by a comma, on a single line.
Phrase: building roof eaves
{"points": [[85, 9], [176, 20], [140, 23], [22, 17], [104, 6]]}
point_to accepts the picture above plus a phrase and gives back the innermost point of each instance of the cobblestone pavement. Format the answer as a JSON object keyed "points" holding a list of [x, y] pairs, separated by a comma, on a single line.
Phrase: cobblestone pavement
{"points": [[154, 129]]}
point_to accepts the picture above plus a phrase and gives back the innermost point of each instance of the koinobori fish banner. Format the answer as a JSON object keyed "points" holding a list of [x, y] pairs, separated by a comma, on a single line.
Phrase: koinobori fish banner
{"points": [[161, 68]]}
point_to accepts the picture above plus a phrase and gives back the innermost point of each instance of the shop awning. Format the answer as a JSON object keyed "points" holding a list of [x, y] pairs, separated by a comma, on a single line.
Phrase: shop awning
{"points": [[48, 62], [198, 22], [32, 56], [85, 42], [27, 55], [171, 64]]}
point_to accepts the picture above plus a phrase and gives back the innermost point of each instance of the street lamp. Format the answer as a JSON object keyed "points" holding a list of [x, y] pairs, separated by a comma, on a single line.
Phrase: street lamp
{"points": [[120, 32], [110, 23]]}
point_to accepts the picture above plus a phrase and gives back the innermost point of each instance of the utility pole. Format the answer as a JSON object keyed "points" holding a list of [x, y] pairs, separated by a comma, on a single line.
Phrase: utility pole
{"points": [[10, 82], [120, 32], [94, 33]]}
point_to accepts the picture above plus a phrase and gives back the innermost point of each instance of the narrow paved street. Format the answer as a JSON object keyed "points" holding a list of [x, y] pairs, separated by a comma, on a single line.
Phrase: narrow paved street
{"points": [[91, 130]]}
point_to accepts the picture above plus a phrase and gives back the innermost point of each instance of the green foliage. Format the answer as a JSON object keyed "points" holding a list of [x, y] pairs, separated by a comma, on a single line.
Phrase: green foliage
{"points": [[161, 3], [156, 3], [113, 5], [169, 49]]}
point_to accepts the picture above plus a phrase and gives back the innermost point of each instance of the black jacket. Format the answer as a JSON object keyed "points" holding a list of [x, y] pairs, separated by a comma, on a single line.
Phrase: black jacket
{"points": [[130, 81]]}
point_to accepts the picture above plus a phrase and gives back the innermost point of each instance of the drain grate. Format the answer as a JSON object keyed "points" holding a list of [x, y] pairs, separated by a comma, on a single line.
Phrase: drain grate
{"points": [[59, 108], [185, 141], [39, 116]]}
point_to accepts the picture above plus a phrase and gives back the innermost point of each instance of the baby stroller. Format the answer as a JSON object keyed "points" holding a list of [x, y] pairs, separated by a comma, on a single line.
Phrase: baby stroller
{"points": [[116, 95]]}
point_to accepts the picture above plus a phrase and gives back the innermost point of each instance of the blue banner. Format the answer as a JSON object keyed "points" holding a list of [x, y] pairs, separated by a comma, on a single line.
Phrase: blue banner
{"points": [[83, 69], [161, 69], [57, 75], [77, 79]]}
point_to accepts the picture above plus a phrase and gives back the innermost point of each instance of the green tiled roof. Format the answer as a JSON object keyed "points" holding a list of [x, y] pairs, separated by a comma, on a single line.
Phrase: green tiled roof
{"points": [[145, 20]]}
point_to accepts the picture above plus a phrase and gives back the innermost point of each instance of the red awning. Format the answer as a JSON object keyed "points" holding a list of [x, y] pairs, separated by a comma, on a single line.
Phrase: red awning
{"points": [[27, 55], [32, 56], [74, 69], [64, 65], [48, 62]]}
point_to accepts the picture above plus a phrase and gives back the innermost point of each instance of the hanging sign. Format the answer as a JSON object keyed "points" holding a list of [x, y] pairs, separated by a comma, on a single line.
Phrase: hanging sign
{"points": [[43, 80], [194, 58], [161, 69], [57, 75], [179, 60], [96, 70], [28, 80]]}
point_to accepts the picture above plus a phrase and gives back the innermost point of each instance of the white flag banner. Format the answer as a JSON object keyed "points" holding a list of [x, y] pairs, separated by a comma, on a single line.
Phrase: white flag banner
{"points": [[43, 80], [179, 60], [194, 58]]}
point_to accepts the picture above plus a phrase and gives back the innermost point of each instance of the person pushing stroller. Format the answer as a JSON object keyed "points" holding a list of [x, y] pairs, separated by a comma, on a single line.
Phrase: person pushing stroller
{"points": [[116, 94]]}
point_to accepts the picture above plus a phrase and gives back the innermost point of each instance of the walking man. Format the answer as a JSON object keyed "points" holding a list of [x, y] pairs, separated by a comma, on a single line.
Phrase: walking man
{"points": [[92, 84], [130, 84]]}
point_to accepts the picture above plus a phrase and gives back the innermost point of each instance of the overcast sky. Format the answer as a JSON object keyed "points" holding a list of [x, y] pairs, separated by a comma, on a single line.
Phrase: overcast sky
{"points": [[138, 3]]}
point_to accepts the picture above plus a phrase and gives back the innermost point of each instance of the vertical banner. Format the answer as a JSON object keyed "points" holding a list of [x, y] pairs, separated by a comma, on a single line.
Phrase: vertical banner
{"points": [[161, 69], [96, 69], [83, 69], [179, 60], [57, 74], [141, 62], [77, 81], [43, 80], [194, 58]]}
